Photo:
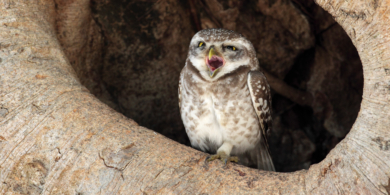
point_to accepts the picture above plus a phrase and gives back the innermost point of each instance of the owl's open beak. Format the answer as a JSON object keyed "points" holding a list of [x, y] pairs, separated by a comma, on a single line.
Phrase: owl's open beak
{"points": [[214, 62]]}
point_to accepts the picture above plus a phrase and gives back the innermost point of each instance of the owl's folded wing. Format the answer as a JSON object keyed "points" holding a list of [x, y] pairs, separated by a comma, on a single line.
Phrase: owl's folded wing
{"points": [[261, 100], [180, 88]]}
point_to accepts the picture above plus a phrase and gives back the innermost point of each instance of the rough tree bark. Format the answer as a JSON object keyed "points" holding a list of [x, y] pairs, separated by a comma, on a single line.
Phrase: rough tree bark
{"points": [[56, 138]]}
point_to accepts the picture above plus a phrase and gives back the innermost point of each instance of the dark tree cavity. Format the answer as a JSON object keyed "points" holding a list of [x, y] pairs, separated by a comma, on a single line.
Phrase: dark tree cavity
{"points": [[316, 72]]}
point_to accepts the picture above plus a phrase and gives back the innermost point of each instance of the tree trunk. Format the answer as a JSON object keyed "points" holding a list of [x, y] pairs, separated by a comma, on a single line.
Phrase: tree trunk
{"points": [[57, 138]]}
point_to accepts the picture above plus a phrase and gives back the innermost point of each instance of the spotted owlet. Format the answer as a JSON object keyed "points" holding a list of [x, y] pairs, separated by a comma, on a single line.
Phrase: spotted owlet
{"points": [[224, 100]]}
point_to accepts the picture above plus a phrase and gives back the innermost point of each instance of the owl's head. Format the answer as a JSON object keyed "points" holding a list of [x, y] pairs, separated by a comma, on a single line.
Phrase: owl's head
{"points": [[217, 52]]}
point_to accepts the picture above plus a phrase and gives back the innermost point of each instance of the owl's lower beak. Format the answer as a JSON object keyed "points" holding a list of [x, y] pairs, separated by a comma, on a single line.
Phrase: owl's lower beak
{"points": [[214, 62]]}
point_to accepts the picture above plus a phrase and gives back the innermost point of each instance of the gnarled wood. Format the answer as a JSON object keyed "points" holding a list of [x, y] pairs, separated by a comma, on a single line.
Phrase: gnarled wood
{"points": [[56, 138]]}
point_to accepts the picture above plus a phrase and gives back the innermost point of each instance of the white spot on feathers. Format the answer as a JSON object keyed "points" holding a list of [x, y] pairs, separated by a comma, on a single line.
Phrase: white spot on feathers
{"points": [[261, 101]]}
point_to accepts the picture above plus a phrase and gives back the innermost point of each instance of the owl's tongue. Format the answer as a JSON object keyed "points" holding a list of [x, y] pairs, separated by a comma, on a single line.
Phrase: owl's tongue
{"points": [[214, 62]]}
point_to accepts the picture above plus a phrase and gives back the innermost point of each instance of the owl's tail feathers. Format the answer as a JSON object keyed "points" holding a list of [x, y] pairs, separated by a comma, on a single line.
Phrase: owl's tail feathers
{"points": [[264, 160], [262, 156]]}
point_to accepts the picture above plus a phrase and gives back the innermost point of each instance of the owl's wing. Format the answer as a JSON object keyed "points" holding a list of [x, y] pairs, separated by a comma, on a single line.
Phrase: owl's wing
{"points": [[180, 87], [261, 100]]}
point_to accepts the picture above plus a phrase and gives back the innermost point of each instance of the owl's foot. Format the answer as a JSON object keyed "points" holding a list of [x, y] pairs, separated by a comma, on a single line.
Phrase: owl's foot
{"points": [[223, 156]]}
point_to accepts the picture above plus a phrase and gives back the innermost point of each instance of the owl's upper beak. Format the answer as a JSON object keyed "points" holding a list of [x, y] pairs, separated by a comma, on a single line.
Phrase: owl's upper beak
{"points": [[214, 62]]}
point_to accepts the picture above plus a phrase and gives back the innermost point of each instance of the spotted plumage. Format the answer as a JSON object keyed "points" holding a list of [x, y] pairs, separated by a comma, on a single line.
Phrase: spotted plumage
{"points": [[224, 99]]}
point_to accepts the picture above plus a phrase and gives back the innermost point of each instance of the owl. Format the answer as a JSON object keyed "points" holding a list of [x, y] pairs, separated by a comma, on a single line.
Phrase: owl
{"points": [[224, 99]]}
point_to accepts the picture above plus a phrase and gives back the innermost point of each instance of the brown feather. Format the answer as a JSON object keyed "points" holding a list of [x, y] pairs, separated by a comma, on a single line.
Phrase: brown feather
{"points": [[261, 98]]}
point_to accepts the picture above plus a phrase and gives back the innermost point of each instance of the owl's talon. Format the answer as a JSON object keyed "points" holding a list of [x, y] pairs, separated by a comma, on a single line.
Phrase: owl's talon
{"points": [[224, 158], [233, 159], [212, 157]]}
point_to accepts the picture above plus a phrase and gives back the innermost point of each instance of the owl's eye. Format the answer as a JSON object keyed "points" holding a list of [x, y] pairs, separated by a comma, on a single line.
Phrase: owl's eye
{"points": [[231, 48], [201, 44]]}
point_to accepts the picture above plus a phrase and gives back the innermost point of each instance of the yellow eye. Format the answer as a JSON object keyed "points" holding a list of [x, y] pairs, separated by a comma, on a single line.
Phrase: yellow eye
{"points": [[232, 48], [200, 44]]}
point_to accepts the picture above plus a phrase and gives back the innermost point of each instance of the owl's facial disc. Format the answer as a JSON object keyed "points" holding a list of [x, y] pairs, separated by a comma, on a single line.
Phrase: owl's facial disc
{"points": [[214, 62]]}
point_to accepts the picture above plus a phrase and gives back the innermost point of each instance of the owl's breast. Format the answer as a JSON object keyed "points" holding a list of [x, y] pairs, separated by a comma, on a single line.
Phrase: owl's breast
{"points": [[213, 114], [200, 120], [237, 118]]}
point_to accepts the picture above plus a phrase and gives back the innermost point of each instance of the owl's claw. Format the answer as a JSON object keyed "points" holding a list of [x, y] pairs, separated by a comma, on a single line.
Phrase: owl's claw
{"points": [[223, 156], [233, 159]]}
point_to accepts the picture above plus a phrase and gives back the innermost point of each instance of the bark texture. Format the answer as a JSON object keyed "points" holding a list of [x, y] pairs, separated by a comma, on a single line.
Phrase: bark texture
{"points": [[57, 138]]}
